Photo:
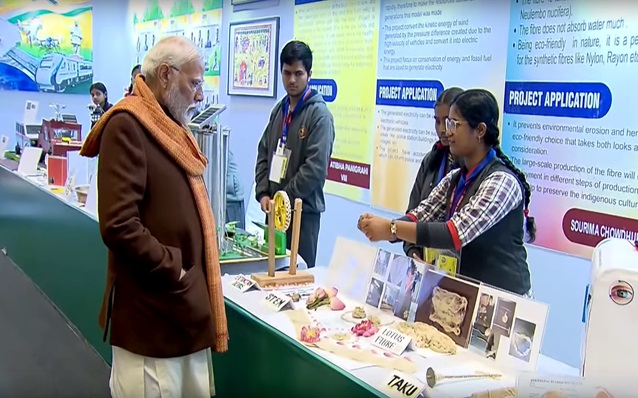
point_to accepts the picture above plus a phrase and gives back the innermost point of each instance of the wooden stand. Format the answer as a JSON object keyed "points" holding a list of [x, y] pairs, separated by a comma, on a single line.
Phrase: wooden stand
{"points": [[283, 278]]}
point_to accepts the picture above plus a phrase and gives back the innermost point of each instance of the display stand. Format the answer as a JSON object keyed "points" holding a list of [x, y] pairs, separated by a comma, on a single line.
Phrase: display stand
{"points": [[281, 216], [213, 139]]}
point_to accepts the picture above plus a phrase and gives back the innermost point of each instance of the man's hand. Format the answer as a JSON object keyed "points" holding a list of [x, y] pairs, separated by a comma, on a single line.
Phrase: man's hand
{"points": [[265, 204], [416, 256], [181, 274]]}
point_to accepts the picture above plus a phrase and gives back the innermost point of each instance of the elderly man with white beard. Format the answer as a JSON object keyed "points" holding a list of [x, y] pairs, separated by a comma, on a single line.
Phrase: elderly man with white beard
{"points": [[163, 299]]}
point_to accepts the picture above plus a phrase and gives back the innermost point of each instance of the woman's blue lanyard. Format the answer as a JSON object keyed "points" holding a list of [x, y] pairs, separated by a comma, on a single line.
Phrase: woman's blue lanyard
{"points": [[465, 181], [443, 166], [287, 115]]}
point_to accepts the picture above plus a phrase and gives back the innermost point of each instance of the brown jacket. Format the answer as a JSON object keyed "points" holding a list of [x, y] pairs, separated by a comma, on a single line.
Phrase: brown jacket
{"points": [[150, 224]]}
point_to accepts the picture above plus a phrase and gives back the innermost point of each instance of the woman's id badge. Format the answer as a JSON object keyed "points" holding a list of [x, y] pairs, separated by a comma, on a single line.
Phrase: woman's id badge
{"points": [[448, 261]]}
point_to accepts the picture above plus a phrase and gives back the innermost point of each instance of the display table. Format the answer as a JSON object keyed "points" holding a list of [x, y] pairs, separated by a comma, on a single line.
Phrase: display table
{"points": [[59, 247], [57, 244], [262, 344]]}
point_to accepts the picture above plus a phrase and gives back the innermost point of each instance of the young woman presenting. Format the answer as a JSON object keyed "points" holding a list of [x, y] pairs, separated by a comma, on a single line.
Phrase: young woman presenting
{"points": [[435, 165], [480, 209]]}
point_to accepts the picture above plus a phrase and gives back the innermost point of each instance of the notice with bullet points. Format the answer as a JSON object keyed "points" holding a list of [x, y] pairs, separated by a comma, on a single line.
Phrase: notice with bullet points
{"points": [[560, 72], [410, 81], [562, 125]]}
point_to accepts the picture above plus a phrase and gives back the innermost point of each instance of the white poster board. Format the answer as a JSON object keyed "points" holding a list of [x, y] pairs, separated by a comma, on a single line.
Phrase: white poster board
{"points": [[29, 160]]}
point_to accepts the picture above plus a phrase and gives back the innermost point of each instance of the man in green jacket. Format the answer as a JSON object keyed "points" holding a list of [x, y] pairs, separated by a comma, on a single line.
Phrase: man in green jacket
{"points": [[235, 209]]}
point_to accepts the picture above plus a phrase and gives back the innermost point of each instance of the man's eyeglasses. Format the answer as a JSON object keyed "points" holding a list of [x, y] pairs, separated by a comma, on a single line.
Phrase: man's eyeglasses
{"points": [[198, 84]]}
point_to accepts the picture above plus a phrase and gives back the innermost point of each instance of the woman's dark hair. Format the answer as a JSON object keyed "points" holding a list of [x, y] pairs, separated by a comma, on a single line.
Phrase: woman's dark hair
{"points": [[445, 98], [136, 67], [294, 51], [480, 106], [448, 95], [100, 87]]}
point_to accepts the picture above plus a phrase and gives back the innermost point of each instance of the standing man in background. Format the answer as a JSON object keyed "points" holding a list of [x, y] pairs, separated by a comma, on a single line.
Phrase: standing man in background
{"points": [[295, 148], [235, 210]]}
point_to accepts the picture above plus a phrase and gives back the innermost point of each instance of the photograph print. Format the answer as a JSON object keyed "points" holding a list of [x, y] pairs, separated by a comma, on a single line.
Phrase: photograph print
{"points": [[405, 306], [382, 263], [447, 303], [375, 292], [504, 316], [398, 269], [481, 327], [390, 297], [522, 339]]}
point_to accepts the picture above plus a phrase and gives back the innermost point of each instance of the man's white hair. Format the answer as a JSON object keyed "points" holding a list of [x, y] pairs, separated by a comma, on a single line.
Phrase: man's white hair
{"points": [[172, 50]]}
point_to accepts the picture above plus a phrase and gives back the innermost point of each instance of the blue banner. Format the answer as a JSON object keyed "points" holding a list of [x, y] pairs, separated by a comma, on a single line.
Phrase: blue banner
{"points": [[578, 100], [408, 93]]}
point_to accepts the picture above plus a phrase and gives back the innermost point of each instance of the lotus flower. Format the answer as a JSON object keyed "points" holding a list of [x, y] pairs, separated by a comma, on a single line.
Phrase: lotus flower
{"points": [[318, 295], [323, 297], [310, 334], [336, 304]]}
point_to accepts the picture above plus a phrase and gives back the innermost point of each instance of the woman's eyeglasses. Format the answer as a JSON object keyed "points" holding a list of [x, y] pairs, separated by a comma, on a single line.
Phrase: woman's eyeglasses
{"points": [[451, 125]]}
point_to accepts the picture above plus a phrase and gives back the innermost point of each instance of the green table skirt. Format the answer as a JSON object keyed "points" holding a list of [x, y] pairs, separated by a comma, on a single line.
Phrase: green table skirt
{"points": [[60, 249]]}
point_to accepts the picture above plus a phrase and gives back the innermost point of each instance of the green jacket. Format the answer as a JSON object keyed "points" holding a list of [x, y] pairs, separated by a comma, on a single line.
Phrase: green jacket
{"points": [[234, 189]]}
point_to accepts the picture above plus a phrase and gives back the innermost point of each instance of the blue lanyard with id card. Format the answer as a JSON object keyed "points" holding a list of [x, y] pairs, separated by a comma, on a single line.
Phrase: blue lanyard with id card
{"points": [[443, 166], [280, 159], [465, 182]]}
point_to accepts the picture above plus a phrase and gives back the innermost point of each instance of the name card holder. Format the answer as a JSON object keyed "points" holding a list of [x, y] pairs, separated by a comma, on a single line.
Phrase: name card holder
{"points": [[276, 301], [242, 283], [391, 340], [400, 385]]}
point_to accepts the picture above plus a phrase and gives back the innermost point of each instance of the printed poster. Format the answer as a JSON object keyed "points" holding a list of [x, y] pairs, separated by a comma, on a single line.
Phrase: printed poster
{"points": [[198, 20], [46, 46]]}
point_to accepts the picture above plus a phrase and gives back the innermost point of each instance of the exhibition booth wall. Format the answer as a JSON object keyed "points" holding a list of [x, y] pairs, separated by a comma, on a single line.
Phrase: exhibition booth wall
{"points": [[558, 279]]}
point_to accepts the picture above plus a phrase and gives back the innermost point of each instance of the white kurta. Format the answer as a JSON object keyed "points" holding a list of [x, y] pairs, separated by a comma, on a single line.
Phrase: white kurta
{"points": [[136, 376]]}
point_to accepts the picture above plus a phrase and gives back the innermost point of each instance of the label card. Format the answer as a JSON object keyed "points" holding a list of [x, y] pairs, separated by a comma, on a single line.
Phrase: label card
{"points": [[91, 197], [397, 384], [30, 112], [448, 261], [391, 340], [276, 301], [532, 384], [4, 144], [242, 283], [29, 160], [429, 255]]}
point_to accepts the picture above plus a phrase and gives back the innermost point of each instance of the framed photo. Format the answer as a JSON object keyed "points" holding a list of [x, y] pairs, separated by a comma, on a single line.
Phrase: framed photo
{"points": [[252, 57]]}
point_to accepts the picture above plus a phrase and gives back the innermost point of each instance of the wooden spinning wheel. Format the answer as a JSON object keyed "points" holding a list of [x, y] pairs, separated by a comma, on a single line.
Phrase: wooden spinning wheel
{"points": [[279, 218], [282, 211]]}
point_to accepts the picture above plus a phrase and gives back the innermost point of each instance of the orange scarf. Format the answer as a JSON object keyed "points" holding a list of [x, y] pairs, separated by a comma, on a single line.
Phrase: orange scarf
{"points": [[178, 142]]}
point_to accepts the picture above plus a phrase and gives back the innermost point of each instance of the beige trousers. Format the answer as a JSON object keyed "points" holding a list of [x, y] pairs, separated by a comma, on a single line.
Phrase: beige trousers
{"points": [[136, 376]]}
